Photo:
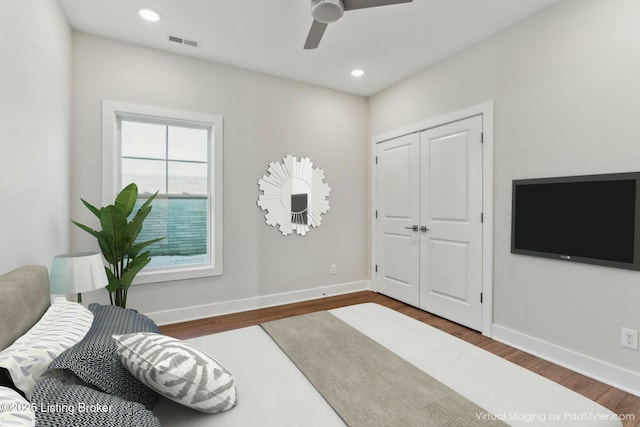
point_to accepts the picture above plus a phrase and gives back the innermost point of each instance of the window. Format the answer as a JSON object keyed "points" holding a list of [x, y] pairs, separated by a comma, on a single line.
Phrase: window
{"points": [[179, 155]]}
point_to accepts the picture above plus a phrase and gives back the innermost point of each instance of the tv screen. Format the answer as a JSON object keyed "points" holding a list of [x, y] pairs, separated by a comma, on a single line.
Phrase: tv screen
{"points": [[591, 219]]}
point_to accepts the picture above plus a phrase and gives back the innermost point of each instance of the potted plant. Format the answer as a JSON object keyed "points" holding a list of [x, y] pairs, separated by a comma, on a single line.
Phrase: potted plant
{"points": [[117, 240]]}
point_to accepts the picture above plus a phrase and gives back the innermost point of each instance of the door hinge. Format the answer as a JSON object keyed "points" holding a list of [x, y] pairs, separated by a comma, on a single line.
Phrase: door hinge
{"points": [[376, 214], [481, 137], [481, 297], [376, 268], [376, 160], [481, 217]]}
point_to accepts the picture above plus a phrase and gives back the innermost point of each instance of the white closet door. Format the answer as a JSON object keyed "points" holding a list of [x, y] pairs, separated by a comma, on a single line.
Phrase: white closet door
{"points": [[397, 254], [451, 208]]}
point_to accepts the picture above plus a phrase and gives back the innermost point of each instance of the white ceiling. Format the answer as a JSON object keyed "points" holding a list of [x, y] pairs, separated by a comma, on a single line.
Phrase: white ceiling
{"points": [[389, 43]]}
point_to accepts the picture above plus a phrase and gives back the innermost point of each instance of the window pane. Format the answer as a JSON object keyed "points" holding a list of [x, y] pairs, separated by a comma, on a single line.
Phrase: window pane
{"points": [[187, 178], [183, 222], [152, 146], [149, 175], [187, 144], [143, 140]]}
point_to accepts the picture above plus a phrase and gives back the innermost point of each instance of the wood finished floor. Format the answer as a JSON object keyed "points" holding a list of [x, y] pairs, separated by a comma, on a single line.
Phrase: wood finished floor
{"points": [[616, 400]]}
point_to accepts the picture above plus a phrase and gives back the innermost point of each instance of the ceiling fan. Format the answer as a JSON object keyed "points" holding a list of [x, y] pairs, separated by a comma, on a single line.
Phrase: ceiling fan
{"points": [[325, 12]]}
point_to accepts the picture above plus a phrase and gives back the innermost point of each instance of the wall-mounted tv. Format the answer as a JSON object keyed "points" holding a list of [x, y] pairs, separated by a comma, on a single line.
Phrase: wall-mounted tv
{"points": [[593, 219]]}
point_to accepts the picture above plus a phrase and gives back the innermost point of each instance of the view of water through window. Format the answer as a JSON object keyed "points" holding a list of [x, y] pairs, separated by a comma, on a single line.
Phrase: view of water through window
{"points": [[183, 223], [172, 160]]}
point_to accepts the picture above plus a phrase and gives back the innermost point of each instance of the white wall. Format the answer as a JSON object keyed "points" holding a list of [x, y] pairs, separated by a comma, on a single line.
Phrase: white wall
{"points": [[265, 118], [35, 47], [566, 85]]}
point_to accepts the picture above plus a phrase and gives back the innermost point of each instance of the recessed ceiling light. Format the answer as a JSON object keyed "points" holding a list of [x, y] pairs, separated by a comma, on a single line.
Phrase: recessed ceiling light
{"points": [[357, 72], [149, 15]]}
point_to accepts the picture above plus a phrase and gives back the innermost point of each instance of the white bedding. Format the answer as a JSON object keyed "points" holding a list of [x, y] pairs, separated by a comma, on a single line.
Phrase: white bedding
{"points": [[272, 392]]}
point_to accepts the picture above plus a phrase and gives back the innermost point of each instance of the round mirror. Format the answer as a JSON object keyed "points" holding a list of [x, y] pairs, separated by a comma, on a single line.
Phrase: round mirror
{"points": [[294, 195]]}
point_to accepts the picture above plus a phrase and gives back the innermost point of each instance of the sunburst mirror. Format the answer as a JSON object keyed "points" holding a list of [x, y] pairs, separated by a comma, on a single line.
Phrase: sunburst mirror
{"points": [[294, 195]]}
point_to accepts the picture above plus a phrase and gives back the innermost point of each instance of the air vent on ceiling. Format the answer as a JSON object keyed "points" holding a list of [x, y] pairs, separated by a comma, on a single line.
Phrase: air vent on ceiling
{"points": [[180, 40]]}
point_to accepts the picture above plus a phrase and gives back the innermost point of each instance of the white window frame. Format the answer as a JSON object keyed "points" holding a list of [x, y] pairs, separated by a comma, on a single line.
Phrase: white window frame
{"points": [[112, 111]]}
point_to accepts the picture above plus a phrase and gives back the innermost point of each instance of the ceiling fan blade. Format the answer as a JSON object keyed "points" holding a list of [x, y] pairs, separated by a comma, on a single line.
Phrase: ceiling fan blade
{"points": [[362, 4], [315, 35]]}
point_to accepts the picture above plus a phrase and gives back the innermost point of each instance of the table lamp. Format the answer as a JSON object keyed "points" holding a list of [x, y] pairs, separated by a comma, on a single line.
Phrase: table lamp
{"points": [[76, 273]]}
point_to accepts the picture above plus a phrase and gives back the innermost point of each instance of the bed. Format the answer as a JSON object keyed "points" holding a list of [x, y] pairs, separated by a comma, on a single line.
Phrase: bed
{"points": [[273, 391]]}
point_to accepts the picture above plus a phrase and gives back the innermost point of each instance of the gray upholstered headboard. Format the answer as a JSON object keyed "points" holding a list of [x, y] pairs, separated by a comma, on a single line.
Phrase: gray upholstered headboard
{"points": [[24, 297]]}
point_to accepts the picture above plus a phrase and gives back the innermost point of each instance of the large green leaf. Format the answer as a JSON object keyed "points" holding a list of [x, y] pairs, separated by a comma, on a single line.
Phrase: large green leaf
{"points": [[135, 249], [114, 222], [103, 242], [114, 282], [106, 248], [149, 200], [143, 212], [135, 226], [89, 230], [92, 208], [126, 199], [134, 268]]}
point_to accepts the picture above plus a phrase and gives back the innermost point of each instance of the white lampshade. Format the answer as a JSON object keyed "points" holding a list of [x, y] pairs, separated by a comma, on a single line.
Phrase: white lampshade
{"points": [[77, 272]]}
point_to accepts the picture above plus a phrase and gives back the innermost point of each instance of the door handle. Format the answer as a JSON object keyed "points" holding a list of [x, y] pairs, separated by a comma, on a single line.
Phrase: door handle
{"points": [[424, 229], [412, 228]]}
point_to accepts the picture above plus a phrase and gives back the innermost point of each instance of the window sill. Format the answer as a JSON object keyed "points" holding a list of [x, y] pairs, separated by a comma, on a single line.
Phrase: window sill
{"points": [[174, 274]]}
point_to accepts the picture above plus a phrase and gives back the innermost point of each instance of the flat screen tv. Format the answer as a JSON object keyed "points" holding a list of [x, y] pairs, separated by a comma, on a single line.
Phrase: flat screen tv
{"points": [[592, 219]]}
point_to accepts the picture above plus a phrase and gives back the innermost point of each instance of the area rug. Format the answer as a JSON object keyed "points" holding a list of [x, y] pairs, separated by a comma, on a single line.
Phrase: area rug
{"points": [[364, 382]]}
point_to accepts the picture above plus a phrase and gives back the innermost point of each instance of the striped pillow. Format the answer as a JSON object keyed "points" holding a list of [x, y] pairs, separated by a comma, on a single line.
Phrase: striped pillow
{"points": [[177, 371], [63, 325], [95, 359]]}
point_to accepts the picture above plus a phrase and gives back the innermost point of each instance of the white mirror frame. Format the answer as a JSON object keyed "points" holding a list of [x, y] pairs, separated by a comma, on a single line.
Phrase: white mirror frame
{"points": [[284, 176]]}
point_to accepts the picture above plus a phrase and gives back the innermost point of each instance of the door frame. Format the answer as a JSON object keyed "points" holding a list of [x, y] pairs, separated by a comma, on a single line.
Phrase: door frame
{"points": [[485, 110]]}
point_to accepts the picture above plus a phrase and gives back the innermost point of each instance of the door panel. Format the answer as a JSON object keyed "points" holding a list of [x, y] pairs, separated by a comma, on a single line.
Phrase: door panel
{"points": [[397, 254], [446, 276], [397, 267], [450, 208], [397, 198], [448, 164]]}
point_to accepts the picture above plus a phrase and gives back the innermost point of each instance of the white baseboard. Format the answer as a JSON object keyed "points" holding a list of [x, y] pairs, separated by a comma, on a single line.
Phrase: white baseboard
{"points": [[185, 314], [605, 372]]}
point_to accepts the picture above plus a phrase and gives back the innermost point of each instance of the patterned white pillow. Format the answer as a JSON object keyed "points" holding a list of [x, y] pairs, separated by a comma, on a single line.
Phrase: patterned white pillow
{"points": [[64, 324], [14, 409], [178, 371]]}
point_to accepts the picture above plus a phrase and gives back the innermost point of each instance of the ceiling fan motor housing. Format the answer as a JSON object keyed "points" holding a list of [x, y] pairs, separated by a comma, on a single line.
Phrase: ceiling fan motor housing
{"points": [[327, 11]]}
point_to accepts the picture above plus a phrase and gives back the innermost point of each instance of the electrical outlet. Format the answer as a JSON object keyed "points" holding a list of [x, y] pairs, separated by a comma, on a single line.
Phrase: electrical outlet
{"points": [[629, 338], [333, 269]]}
